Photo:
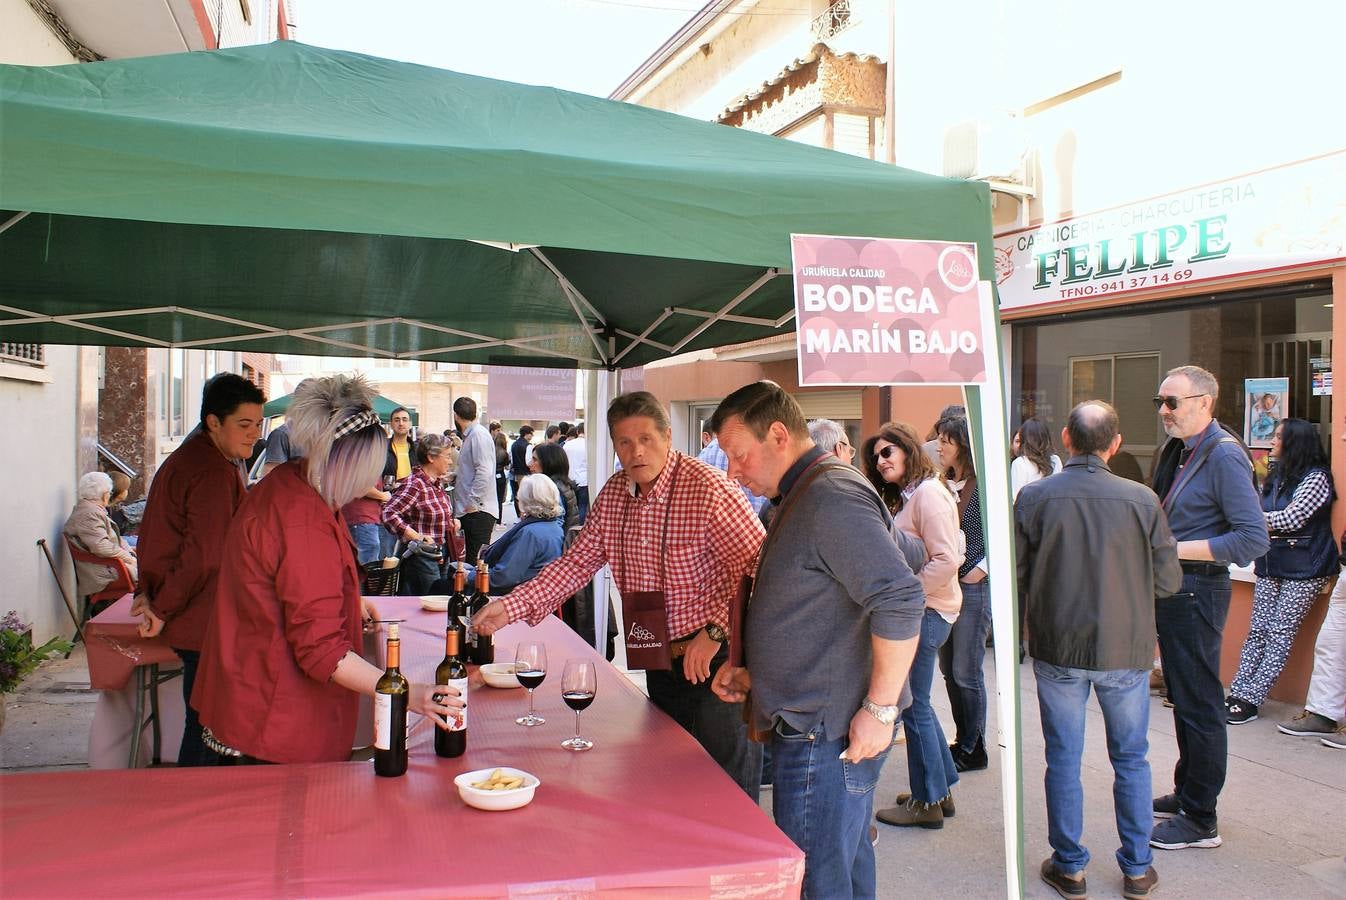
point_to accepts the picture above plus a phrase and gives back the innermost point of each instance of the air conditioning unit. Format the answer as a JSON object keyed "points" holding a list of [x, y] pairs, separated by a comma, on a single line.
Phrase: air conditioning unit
{"points": [[995, 152]]}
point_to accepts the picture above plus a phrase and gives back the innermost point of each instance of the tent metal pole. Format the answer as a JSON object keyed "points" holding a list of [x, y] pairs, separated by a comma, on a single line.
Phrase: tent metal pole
{"points": [[742, 320], [727, 308], [12, 221], [643, 335], [667, 348], [575, 299], [603, 387]]}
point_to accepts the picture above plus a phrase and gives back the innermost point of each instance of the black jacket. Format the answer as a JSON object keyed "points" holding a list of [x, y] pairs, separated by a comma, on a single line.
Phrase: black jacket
{"points": [[1094, 551]]}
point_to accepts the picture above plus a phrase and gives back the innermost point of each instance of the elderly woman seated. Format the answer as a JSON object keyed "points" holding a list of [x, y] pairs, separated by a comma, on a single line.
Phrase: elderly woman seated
{"points": [[535, 540], [90, 530]]}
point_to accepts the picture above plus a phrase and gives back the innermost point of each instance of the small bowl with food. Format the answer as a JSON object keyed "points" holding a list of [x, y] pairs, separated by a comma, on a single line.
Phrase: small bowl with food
{"points": [[500, 675], [497, 789], [435, 602]]}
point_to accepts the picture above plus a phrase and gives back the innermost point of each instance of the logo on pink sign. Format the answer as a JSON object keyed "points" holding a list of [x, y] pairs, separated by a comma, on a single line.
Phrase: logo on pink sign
{"points": [[887, 311]]}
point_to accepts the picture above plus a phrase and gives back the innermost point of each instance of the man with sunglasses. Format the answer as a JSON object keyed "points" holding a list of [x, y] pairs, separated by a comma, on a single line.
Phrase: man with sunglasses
{"points": [[1204, 481]]}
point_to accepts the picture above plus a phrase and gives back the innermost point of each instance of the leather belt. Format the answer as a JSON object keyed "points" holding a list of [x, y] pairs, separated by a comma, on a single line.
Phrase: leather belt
{"points": [[678, 649], [1197, 568]]}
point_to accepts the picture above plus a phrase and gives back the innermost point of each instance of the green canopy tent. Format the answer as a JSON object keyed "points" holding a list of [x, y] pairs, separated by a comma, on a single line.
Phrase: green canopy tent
{"points": [[382, 405], [288, 198]]}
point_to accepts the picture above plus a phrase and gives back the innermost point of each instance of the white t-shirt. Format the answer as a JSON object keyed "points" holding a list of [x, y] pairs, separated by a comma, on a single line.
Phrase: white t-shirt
{"points": [[1023, 471], [577, 449]]}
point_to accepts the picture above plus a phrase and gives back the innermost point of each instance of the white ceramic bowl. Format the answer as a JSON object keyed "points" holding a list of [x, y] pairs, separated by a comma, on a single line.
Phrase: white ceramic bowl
{"points": [[494, 801], [435, 602], [500, 675]]}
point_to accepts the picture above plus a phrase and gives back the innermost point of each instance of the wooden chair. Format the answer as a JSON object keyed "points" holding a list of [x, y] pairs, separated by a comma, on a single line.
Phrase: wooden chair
{"points": [[121, 585]]}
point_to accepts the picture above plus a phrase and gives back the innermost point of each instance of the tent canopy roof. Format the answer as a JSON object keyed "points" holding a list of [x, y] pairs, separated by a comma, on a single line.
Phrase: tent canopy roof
{"points": [[288, 198], [382, 405]]}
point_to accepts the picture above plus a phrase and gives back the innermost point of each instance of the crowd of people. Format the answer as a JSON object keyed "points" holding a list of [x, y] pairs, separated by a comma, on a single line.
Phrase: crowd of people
{"points": [[775, 534]]}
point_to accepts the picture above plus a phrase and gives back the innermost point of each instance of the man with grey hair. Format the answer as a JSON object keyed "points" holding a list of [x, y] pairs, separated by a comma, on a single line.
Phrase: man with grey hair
{"points": [[830, 437], [1204, 481], [1094, 551], [679, 536]]}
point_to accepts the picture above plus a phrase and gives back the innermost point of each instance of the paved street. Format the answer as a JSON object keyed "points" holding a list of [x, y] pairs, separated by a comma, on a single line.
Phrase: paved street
{"points": [[1281, 813]]}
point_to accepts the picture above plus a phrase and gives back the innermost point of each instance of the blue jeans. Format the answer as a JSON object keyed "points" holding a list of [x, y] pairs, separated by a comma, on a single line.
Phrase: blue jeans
{"points": [[960, 659], [930, 769], [1124, 696], [824, 805], [1191, 628], [368, 546], [387, 543]]}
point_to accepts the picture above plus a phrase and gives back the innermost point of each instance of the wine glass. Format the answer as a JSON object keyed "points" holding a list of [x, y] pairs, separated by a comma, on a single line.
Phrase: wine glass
{"points": [[579, 683], [530, 667]]}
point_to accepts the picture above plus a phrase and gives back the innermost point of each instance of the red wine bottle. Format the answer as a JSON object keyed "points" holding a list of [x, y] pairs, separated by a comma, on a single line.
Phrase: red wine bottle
{"points": [[458, 604], [482, 645], [453, 672], [390, 713]]}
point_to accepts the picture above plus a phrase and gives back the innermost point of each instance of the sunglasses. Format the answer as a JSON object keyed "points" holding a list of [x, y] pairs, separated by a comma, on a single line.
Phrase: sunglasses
{"points": [[1172, 402], [885, 453]]}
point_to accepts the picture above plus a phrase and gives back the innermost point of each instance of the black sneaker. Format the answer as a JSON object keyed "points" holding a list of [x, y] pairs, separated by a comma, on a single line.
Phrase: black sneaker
{"points": [[1072, 888], [1140, 886], [1239, 712], [1308, 724], [1166, 806], [1180, 833], [973, 760]]}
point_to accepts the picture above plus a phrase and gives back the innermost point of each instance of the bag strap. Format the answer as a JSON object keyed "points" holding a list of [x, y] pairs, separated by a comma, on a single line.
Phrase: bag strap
{"points": [[1188, 472], [965, 494], [806, 477]]}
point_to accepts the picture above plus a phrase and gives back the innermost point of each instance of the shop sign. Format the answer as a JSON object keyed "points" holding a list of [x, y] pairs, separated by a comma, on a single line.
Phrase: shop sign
{"points": [[523, 392], [886, 311], [1279, 218]]}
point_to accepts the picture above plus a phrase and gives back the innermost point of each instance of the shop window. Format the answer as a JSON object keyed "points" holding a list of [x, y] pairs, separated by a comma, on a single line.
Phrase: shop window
{"points": [[1121, 356]]}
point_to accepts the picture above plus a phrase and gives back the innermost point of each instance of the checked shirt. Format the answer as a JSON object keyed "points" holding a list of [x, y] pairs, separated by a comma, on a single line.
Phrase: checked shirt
{"points": [[713, 539], [422, 505]]}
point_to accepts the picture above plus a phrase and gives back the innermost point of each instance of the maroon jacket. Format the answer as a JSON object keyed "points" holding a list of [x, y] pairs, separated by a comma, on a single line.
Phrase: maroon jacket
{"points": [[293, 611], [187, 515]]}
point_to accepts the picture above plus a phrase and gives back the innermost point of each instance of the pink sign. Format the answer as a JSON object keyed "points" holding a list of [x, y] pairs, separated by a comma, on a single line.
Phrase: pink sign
{"points": [[887, 311], [524, 392]]}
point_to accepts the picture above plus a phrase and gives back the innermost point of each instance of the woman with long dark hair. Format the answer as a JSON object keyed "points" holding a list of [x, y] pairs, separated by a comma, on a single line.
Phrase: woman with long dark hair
{"points": [[551, 460], [1297, 502], [1036, 457], [922, 507], [960, 659]]}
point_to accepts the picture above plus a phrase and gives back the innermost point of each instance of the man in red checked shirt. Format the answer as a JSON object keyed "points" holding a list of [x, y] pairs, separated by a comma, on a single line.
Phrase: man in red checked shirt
{"points": [[666, 523]]}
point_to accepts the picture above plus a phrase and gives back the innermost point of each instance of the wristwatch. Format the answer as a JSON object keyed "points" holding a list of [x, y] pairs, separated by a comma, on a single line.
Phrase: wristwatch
{"points": [[716, 633], [885, 714]]}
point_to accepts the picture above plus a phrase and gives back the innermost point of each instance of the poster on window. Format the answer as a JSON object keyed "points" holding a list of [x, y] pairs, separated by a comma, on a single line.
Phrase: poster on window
{"points": [[1266, 401]]}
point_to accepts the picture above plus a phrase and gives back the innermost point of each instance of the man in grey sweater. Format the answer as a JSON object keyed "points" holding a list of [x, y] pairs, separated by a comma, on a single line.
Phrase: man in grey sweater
{"points": [[828, 637], [474, 487]]}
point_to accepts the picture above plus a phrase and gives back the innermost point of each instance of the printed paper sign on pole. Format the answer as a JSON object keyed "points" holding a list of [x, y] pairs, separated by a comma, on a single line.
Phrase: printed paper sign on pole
{"points": [[524, 392], [886, 311]]}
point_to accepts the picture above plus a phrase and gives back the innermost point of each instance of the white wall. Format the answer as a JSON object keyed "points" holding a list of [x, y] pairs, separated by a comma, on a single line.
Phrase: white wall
{"points": [[25, 40], [40, 462]]}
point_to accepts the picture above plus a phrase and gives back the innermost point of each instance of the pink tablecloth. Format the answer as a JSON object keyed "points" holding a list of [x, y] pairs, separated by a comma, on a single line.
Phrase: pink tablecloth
{"points": [[114, 650], [646, 812]]}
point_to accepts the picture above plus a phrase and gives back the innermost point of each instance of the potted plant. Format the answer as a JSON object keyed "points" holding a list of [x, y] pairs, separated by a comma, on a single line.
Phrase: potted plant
{"points": [[18, 656]]}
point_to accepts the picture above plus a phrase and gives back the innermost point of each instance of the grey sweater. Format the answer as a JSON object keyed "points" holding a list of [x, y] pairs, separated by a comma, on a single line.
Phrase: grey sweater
{"points": [[831, 578]]}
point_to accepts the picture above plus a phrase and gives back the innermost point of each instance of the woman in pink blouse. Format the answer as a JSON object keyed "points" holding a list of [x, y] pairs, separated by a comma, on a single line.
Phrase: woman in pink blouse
{"points": [[923, 507]]}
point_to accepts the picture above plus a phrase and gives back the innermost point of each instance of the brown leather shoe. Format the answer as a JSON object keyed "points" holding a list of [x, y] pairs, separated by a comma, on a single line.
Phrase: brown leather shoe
{"points": [[1141, 886], [946, 804], [1072, 887], [912, 815]]}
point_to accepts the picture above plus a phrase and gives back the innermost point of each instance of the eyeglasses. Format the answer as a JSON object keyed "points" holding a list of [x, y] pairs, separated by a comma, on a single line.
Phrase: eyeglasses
{"points": [[1172, 402], [885, 453]]}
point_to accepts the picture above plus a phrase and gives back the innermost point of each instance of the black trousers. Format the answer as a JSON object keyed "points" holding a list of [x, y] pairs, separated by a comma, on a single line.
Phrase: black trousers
{"points": [[477, 528]]}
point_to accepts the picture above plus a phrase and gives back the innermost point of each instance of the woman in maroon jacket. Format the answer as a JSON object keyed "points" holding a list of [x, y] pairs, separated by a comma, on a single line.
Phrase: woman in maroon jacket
{"points": [[281, 666]]}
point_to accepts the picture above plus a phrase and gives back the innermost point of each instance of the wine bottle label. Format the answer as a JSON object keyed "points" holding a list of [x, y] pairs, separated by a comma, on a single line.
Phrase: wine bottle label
{"points": [[383, 721], [458, 718]]}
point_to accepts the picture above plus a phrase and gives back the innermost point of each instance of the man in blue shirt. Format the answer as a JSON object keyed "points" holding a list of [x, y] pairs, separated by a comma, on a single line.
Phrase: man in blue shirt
{"points": [[1204, 481]]}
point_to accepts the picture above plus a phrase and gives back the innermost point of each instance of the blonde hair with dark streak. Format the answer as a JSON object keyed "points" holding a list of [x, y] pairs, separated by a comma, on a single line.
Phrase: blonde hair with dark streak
{"points": [[339, 469]]}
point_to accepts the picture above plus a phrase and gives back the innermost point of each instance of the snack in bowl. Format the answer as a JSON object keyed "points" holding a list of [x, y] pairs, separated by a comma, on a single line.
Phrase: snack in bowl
{"points": [[497, 788], [435, 602], [500, 675]]}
